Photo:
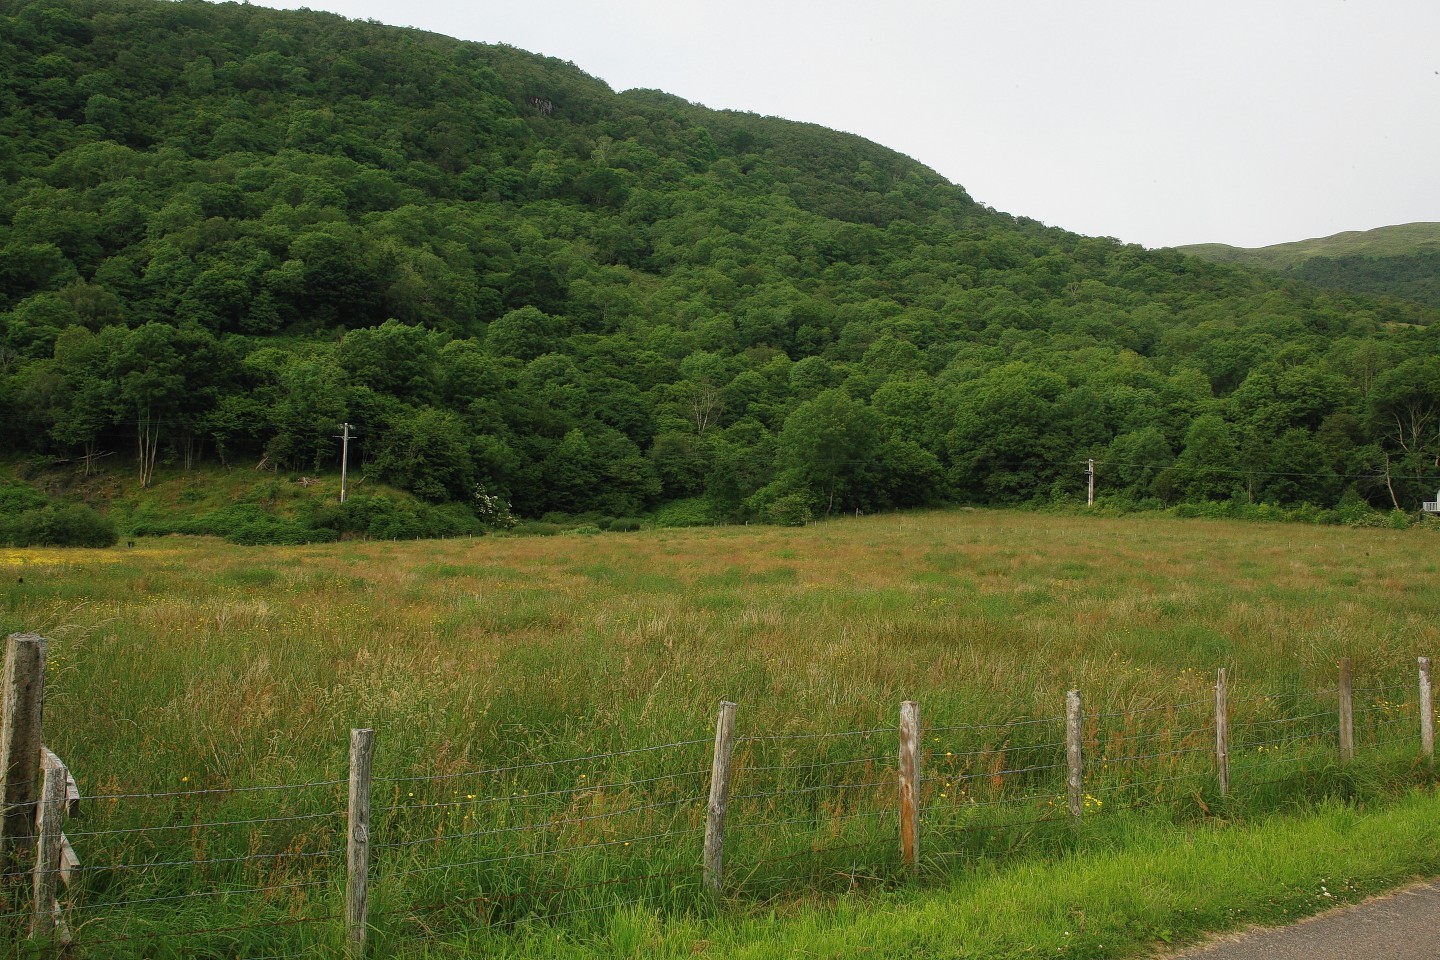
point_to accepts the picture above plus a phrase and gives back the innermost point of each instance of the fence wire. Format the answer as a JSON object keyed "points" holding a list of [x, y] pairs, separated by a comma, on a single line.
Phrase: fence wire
{"points": [[553, 840]]}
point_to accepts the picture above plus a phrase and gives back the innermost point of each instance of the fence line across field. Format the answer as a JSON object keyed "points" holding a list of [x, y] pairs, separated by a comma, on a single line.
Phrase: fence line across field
{"points": [[526, 854]]}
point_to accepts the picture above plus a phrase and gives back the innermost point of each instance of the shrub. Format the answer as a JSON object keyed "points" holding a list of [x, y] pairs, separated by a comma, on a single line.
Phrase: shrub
{"points": [[694, 512], [65, 525], [791, 510], [1353, 511], [377, 516], [279, 533], [624, 525], [537, 528], [15, 498], [492, 510], [29, 519], [383, 517]]}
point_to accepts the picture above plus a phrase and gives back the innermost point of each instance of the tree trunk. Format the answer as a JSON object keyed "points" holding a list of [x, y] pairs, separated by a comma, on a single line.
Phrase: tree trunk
{"points": [[148, 439], [1388, 485]]}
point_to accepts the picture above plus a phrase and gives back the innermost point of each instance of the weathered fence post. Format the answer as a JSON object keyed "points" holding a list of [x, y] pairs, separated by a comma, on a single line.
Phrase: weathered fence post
{"points": [[53, 805], [718, 806], [1222, 731], [1347, 713], [1074, 758], [1427, 713], [23, 693], [357, 853], [910, 783], [68, 861]]}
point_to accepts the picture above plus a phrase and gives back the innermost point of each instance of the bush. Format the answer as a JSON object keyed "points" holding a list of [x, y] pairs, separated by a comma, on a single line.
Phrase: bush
{"points": [[29, 519], [694, 512], [58, 526], [791, 510], [383, 517], [624, 525], [1264, 512], [16, 498], [279, 533], [536, 528], [1353, 511], [377, 516]]}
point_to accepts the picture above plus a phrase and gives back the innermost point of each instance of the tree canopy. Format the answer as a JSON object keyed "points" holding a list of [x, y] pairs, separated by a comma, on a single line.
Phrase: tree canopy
{"points": [[225, 229]]}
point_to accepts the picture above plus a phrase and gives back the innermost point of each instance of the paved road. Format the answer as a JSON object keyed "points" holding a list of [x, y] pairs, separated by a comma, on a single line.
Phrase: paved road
{"points": [[1404, 925]]}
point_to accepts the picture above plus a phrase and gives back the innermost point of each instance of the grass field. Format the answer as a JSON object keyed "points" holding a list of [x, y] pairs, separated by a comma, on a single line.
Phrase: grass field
{"points": [[185, 665], [1397, 240]]}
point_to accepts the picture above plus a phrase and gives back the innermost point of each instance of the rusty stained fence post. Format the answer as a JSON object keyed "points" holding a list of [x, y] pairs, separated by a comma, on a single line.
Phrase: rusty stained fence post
{"points": [[718, 805], [22, 691], [910, 783]]}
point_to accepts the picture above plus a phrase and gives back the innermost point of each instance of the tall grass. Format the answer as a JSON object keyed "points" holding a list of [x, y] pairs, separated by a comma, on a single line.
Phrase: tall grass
{"points": [[188, 665]]}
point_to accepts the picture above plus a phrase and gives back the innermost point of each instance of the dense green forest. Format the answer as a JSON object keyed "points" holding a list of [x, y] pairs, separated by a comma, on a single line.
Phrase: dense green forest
{"points": [[1399, 261], [225, 229], [1414, 276]]}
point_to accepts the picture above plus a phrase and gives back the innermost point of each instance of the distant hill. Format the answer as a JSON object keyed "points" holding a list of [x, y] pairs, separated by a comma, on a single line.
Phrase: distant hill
{"points": [[1401, 260], [226, 229]]}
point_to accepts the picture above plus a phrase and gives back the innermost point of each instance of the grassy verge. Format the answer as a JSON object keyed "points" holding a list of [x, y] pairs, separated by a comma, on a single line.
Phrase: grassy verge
{"points": [[1133, 887]]}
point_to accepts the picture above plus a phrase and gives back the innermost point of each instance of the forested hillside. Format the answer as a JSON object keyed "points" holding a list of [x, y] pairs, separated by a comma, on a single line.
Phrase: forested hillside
{"points": [[225, 229], [1399, 261]]}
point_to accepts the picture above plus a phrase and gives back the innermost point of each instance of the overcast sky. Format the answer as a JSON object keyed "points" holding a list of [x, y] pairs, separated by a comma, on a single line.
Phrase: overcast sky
{"points": [[1159, 122]]}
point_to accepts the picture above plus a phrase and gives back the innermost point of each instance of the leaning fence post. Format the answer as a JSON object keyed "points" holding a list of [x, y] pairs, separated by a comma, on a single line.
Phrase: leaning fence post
{"points": [[910, 783], [23, 693], [1347, 714], [46, 919], [357, 853], [1074, 758], [1427, 713], [716, 809], [1222, 731]]}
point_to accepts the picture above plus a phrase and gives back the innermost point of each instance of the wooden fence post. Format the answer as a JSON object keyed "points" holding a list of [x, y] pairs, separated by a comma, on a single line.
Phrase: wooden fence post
{"points": [[719, 803], [53, 805], [69, 863], [910, 783], [1427, 713], [357, 853], [1074, 757], [1222, 731], [23, 693], [1347, 713]]}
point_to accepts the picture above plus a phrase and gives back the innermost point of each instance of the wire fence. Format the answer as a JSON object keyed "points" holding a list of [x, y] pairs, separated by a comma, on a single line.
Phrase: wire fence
{"points": [[262, 870]]}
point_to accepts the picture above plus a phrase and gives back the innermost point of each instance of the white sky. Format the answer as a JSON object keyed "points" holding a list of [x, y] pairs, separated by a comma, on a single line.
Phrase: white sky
{"points": [[1159, 122]]}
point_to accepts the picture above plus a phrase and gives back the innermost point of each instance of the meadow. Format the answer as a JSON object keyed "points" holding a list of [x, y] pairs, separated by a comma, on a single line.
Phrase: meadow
{"points": [[183, 671]]}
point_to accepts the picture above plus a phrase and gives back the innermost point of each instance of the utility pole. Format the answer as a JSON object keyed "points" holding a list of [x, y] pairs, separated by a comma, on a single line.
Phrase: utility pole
{"points": [[1090, 476], [344, 456]]}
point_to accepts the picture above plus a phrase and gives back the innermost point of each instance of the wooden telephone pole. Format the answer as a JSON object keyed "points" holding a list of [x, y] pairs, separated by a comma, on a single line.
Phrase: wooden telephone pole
{"points": [[1090, 477], [344, 456]]}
